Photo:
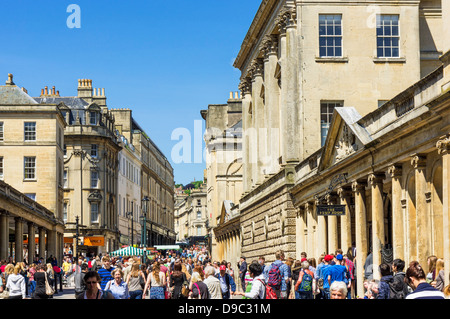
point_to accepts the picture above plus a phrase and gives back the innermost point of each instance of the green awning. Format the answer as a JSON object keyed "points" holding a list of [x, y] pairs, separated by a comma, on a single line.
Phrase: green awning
{"points": [[128, 251]]}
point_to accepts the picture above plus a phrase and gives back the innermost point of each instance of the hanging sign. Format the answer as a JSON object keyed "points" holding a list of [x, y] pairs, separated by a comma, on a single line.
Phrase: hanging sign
{"points": [[330, 210]]}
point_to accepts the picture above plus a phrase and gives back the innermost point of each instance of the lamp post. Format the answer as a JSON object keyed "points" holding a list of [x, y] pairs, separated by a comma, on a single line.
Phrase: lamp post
{"points": [[144, 221]]}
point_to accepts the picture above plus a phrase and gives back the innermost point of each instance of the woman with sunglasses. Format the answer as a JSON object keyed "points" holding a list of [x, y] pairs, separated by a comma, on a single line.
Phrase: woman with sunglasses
{"points": [[93, 291]]}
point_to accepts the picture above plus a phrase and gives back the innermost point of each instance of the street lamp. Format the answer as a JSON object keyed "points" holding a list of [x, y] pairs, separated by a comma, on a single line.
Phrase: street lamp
{"points": [[144, 221]]}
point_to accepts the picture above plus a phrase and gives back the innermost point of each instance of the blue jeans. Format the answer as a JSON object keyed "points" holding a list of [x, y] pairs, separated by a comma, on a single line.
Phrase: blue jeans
{"points": [[32, 286], [136, 294]]}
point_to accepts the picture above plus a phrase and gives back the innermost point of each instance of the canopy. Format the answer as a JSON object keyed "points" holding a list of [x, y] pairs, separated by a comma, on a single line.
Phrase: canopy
{"points": [[128, 251], [168, 247]]}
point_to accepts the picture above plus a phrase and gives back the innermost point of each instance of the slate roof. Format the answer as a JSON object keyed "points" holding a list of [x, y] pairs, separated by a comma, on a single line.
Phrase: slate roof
{"points": [[13, 95]]}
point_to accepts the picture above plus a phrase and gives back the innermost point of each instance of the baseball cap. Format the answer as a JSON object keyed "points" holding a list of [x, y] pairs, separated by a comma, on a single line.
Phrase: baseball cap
{"points": [[223, 267], [328, 258], [339, 257]]}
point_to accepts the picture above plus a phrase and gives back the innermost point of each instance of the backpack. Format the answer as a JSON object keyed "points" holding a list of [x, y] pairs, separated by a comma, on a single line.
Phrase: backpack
{"points": [[306, 284], [397, 294], [275, 276], [269, 292]]}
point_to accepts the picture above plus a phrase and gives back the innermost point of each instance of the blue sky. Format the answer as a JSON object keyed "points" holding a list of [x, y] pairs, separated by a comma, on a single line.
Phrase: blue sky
{"points": [[165, 60]]}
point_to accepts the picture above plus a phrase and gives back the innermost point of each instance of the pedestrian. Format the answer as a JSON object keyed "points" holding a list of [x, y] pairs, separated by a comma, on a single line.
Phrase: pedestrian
{"points": [[431, 275], [198, 288], [386, 280], [258, 283], [93, 290], [32, 283], [177, 280], [80, 286], [279, 276], [289, 292], [16, 284], [439, 281], [338, 290], [350, 265], [368, 266], [399, 285], [118, 287], [213, 283], [242, 272], [105, 272], [417, 279], [227, 284], [51, 277], [326, 282], [135, 282], [296, 269], [40, 278], [305, 284], [156, 282]]}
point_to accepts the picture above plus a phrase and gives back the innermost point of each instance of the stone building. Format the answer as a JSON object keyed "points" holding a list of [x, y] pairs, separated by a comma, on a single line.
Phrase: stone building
{"points": [[91, 148], [156, 180], [191, 216], [223, 139], [301, 60], [31, 174]]}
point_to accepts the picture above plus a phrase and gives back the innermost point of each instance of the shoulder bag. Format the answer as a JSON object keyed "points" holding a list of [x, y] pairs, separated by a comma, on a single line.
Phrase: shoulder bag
{"points": [[48, 289]]}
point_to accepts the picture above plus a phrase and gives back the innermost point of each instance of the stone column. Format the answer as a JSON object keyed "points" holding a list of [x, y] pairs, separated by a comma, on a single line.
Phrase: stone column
{"points": [[332, 226], [257, 69], [443, 146], [376, 186], [301, 238], [245, 87], [289, 107], [42, 248], [346, 220], [321, 232], [271, 97], [423, 229], [31, 242], [312, 224], [4, 235], [361, 234], [395, 171], [19, 239]]}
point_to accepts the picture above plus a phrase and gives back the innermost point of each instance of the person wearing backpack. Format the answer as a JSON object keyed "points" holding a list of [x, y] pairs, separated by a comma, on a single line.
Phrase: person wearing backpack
{"points": [[258, 290], [305, 284], [386, 280], [400, 287], [279, 276]]}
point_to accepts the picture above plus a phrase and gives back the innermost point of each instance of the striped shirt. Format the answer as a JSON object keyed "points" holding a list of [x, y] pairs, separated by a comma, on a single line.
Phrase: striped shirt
{"points": [[425, 291], [105, 274]]}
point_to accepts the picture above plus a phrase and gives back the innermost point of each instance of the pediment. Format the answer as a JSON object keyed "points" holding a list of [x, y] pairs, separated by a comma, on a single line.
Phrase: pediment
{"points": [[345, 137], [93, 107], [225, 213]]}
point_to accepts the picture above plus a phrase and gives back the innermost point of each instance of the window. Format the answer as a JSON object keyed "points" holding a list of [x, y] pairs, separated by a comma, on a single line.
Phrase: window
{"points": [[199, 202], [388, 36], [199, 215], [199, 230], [326, 113], [94, 179], [94, 212], [1, 131], [94, 149], [30, 131], [330, 35], [30, 167], [65, 180], [93, 118], [31, 196], [1, 167], [65, 206], [65, 150]]}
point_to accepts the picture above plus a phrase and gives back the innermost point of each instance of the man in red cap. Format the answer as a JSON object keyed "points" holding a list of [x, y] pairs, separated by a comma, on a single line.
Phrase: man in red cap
{"points": [[321, 278], [226, 282]]}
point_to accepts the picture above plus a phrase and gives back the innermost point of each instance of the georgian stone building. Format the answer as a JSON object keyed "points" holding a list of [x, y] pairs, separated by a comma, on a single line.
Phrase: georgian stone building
{"points": [[224, 174], [156, 181], [91, 150], [31, 174], [301, 60]]}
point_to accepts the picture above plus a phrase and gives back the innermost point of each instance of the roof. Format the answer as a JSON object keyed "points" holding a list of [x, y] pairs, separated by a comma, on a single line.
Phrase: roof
{"points": [[72, 102], [12, 94]]}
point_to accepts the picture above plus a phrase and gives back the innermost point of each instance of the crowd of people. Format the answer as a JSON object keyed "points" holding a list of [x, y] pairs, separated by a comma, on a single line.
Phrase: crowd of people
{"points": [[192, 274]]}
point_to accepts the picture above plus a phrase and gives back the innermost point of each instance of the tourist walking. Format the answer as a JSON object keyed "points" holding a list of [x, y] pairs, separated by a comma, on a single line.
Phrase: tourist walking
{"points": [[227, 284], [156, 282], [305, 285], [258, 283], [118, 287], [177, 279], [40, 279], [213, 283], [16, 284], [417, 279], [92, 281], [136, 282], [105, 272]]}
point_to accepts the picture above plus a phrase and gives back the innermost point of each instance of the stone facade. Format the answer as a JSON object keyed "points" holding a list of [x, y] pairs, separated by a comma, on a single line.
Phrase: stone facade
{"points": [[31, 170]]}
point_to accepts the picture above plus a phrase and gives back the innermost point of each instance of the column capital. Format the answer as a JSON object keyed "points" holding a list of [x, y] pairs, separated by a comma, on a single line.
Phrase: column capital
{"points": [[376, 178], [269, 46], [358, 186], [394, 171], [256, 68], [443, 145], [418, 161], [287, 18], [245, 86], [344, 192]]}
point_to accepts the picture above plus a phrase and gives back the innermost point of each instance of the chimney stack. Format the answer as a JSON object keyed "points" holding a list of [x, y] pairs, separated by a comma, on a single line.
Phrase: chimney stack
{"points": [[85, 89], [10, 79]]}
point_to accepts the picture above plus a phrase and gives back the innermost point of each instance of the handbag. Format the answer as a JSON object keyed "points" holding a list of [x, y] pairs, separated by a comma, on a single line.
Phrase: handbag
{"points": [[185, 287], [48, 289]]}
